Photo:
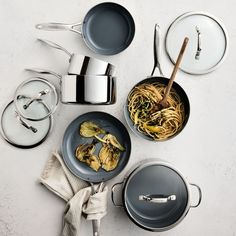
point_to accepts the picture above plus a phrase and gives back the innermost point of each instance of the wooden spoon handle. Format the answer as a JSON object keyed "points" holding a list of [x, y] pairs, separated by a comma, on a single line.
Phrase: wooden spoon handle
{"points": [[176, 67]]}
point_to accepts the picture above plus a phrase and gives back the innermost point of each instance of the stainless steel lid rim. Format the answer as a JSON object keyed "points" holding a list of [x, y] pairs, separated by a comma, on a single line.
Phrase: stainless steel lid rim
{"points": [[220, 24]]}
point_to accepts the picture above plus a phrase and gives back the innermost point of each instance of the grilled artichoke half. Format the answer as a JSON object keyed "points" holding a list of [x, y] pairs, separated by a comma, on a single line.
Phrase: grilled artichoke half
{"points": [[109, 157], [111, 139], [89, 129], [84, 153]]}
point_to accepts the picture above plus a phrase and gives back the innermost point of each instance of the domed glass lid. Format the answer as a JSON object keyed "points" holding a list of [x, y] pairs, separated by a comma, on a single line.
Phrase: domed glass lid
{"points": [[36, 99], [208, 42], [23, 133]]}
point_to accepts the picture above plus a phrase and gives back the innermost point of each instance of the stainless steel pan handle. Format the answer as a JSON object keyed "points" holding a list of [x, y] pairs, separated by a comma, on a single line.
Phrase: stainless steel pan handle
{"points": [[60, 26], [55, 45], [113, 193], [200, 195], [157, 50], [43, 71]]}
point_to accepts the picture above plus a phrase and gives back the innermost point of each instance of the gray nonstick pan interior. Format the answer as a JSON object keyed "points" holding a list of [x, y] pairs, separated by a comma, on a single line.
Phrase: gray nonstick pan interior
{"points": [[72, 139], [108, 28]]}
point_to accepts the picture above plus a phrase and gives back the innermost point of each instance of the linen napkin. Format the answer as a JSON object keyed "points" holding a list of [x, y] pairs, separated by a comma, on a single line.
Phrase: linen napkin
{"points": [[76, 192]]}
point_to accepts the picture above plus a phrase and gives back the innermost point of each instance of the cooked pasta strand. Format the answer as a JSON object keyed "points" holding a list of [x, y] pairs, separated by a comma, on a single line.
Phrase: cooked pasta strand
{"points": [[143, 110]]}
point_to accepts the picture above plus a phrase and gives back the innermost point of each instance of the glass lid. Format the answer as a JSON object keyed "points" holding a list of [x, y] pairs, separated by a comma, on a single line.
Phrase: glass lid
{"points": [[208, 42], [23, 133], [156, 196], [32, 96]]}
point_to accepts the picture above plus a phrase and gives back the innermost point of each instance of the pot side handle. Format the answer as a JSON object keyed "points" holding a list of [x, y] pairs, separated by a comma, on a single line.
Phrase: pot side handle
{"points": [[113, 188], [199, 197]]}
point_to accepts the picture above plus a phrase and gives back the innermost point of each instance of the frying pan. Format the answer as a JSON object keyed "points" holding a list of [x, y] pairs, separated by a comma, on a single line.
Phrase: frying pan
{"points": [[108, 28], [72, 139], [163, 80]]}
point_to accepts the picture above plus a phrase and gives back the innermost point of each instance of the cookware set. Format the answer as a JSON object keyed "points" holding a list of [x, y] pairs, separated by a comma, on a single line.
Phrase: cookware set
{"points": [[155, 195]]}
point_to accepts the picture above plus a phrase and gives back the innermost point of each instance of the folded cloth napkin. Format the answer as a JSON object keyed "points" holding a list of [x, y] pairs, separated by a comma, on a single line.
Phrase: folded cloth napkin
{"points": [[76, 192]]}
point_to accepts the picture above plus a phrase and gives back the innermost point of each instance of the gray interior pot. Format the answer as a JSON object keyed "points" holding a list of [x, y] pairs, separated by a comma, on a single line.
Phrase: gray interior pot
{"points": [[156, 196]]}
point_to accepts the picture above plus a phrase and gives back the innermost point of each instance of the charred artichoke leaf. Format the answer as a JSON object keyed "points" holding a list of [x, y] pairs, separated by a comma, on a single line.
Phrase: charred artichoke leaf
{"points": [[111, 139], [89, 129], [83, 151], [111, 161], [94, 163], [105, 153], [109, 157]]}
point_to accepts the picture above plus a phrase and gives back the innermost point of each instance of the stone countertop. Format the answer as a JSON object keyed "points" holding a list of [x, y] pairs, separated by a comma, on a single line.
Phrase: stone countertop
{"points": [[204, 151]]}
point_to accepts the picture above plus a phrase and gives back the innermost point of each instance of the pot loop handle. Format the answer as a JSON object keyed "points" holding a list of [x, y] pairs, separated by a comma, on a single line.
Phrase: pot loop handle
{"points": [[60, 26], [113, 193], [199, 193]]}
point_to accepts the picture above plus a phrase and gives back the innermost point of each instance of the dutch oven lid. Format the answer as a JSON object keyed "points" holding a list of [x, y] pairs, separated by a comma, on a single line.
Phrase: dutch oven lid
{"points": [[208, 42], [32, 96], [23, 133], [156, 196]]}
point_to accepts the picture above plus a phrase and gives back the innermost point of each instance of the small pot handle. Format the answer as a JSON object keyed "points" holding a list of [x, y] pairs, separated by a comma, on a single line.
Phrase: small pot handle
{"points": [[199, 193], [113, 193], [55, 45], [43, 71], [58, 27]]}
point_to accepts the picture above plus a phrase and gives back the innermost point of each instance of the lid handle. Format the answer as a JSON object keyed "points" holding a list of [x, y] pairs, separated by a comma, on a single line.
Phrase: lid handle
{"points": [[36, 98], [157, 198], [199, 43], [33, 129]]}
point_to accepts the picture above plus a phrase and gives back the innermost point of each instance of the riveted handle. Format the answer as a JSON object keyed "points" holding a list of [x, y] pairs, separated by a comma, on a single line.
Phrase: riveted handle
{"points": [[157, 50], [44, 71], [59, 27], [55, 45]]}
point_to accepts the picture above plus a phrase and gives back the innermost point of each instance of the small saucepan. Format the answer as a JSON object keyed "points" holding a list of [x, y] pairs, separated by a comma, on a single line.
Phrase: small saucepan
{"points": [[162, 80], [84, 89], [83, 65], [156, 196], [108, 28]]}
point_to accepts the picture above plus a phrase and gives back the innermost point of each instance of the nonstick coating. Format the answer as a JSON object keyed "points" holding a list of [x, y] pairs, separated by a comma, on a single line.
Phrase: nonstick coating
{"points": [[72, 139], [180, 92], [108, 28]]}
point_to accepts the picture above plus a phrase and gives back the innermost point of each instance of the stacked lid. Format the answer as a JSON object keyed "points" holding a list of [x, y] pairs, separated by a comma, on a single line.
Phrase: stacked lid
{"points": [[27, 120]]}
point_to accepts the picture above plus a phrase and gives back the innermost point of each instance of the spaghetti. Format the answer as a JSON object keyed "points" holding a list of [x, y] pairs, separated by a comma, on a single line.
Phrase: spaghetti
{"points": [[149, 119]]}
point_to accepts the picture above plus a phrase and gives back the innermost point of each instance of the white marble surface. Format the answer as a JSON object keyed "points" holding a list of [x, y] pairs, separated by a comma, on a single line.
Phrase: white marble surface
{"points": [[204, 151]]}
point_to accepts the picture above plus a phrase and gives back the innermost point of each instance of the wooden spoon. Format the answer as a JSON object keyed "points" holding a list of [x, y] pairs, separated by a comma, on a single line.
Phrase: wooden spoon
{"points": [[163, 103]]}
